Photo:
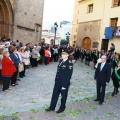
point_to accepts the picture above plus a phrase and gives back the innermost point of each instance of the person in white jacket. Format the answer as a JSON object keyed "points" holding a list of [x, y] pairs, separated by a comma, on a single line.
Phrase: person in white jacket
{"points": [[24, 61]]}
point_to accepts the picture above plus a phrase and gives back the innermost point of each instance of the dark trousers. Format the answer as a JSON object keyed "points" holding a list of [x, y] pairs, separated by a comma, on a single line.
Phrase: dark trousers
{"points": [[46, 60], [14, 77], [57, 57], [54, 57], [56, 92], [21, 74], [101, 91], [6, 82], [76, 57], [31, 61], [34, 62]]}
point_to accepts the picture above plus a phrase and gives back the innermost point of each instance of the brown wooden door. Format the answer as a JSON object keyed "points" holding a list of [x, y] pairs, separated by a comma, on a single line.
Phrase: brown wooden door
{"points": [[86, 44], [104, 45]]}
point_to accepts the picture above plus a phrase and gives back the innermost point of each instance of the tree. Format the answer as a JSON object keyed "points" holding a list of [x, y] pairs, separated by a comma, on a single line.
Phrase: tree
{"points": [[64, 42]]}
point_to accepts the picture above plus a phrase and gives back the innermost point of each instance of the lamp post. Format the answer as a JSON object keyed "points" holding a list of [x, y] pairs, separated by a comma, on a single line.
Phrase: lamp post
{"points": [[55, 27]]}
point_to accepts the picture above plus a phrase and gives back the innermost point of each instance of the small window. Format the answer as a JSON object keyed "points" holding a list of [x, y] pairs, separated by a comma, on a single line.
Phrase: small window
{"points": [[113, 22], [90, 8], [116, 3]]}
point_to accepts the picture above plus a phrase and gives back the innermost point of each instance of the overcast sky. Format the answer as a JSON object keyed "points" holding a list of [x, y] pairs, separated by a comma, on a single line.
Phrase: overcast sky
{"points": [[58, 10]]}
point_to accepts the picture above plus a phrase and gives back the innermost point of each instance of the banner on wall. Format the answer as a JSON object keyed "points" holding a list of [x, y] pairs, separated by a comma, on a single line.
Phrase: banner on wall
{"points": [[117, 32], [109, 32]]}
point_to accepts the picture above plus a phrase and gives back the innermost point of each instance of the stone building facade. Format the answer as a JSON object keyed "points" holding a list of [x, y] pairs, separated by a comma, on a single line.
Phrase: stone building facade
{"points": [[21, 19], [75, 23], [98, 24]]}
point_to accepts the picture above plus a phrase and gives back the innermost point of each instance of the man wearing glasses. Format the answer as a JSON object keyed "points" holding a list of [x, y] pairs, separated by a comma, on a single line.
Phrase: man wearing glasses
{"points": [[102, 78]]}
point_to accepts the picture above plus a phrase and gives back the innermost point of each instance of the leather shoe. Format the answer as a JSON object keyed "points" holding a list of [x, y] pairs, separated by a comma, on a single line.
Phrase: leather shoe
{"points": [[49, 109], [16, 84], [18, 79], [96, 100], [59, 111], [100, 103]]}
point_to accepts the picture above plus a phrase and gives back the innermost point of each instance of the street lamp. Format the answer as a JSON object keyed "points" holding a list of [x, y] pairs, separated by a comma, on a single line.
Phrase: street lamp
{"points": [[55, 27]]}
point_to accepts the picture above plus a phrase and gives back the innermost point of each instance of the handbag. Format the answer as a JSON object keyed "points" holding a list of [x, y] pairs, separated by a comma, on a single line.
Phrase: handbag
{"points": [[27, 62], [21, 67]]}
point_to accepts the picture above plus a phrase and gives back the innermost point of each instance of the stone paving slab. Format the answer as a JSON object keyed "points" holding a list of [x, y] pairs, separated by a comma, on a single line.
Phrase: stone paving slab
{"points": [[35, 90], [85, 109]]}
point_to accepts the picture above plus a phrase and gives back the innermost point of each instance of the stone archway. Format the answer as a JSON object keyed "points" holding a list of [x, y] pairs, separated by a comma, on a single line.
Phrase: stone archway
{"points": [[86, 43], [6, 18]]}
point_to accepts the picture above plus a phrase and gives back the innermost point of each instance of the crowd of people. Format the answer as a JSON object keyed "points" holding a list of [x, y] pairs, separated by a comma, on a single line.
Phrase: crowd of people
{"points": [[16, 57]]}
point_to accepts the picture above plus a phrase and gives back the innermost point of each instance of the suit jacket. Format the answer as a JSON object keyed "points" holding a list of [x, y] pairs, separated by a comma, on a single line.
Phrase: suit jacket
{"points": [[64, 73], [104, 75], [15, 59]]}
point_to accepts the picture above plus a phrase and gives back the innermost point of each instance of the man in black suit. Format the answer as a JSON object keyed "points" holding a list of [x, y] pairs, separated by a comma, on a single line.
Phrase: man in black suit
{"points": [[102, 78], [62, 83]]}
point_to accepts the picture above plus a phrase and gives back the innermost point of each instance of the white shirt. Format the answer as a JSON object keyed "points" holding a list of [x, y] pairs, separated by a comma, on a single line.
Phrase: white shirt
{"points": [[65, 59], [102, 65]]}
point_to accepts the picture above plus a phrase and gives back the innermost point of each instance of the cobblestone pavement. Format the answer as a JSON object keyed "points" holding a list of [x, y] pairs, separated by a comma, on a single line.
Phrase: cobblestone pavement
{"points": [[34, 91], [85, 109]]}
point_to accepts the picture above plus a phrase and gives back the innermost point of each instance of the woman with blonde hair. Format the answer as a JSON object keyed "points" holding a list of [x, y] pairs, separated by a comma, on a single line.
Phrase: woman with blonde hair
{"points": [[24, 61], [8, 70]]}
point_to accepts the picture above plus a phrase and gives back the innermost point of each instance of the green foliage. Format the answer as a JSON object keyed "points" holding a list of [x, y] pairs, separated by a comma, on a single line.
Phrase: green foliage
{"points": [[64, 42], [34, 111], [2, 116], [14, 115]]}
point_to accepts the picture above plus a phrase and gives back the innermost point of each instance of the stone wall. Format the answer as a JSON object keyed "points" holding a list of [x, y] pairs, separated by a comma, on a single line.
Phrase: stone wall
{"points": [[88, 29], [28, 20], [23, 19]]}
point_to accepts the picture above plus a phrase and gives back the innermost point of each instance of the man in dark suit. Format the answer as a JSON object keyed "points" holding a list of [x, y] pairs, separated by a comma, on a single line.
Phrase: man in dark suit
{"points": [[62, 83], [102, 78]]}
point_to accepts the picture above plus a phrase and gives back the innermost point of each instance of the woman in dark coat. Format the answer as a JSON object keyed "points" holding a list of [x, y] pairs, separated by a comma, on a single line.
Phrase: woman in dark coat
{"points": [[116, 78], [96, 57], [115, 61], [15, 58], [88, 57], [82, 55]]}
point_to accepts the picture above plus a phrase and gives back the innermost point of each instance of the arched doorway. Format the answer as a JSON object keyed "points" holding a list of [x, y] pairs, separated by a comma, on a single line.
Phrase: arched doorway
{"points": [[6, 18], [86, 43]]}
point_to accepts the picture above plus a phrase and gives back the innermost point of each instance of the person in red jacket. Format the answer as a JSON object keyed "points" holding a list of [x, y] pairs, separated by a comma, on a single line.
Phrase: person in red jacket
{"points": [[8, 70]]}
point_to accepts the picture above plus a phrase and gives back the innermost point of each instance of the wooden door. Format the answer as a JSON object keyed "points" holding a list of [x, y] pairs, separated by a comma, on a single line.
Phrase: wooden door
{"points": [[104, 45], [86, 44]]}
